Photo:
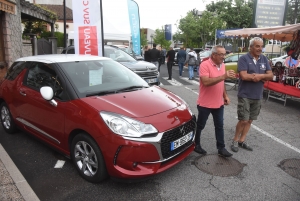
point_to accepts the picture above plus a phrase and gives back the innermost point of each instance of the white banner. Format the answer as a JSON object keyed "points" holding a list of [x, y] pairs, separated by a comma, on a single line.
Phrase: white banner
{"points": [[87, 27]]}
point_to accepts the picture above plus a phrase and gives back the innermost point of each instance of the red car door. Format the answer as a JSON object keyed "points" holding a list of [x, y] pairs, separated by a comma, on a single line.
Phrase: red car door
{"points": [[37, 115]]}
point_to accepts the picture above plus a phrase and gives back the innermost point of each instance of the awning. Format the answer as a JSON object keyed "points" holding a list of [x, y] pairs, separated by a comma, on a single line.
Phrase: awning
{"points": [[282, 33], [7, 6]]}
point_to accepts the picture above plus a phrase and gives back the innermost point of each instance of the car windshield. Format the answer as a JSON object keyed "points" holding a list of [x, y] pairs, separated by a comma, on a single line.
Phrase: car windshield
{"points": [[101, 77], [118, 55], [128, 50]]}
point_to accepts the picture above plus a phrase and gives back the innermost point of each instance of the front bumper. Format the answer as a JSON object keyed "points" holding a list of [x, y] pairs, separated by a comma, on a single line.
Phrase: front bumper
{"points": [[137, 158]]}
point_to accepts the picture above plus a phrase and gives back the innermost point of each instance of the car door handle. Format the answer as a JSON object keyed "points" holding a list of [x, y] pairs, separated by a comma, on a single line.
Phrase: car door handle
{"points": [[22, 93]]}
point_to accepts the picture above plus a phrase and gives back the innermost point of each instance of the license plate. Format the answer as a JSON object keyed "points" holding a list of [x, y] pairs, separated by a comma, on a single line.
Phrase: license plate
{"points": [[181, 141], [151, 80]]}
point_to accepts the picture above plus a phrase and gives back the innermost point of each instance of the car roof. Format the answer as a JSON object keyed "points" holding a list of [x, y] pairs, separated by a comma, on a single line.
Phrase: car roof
{"points": [[59, 58]]}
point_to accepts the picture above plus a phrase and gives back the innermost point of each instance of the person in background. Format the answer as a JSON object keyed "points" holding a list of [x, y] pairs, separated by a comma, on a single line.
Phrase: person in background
{"points": [[181, 56], [160, 58], [170, 60], [154, 55], [147, 54], [191, 61], [164, 56], [253, 69], [212, 98], [198, 62]]}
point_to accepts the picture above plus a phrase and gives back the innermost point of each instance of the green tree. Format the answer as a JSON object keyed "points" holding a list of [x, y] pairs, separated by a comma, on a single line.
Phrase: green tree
{"points": [[159, 38], [190, 30], [143, 39], [195, 31], [208, 23], [35, 27], [293, 12], [236, 13]]}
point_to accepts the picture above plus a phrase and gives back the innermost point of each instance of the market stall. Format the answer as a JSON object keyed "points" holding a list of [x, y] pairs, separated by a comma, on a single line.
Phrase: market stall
{"points": [[285, 78]]}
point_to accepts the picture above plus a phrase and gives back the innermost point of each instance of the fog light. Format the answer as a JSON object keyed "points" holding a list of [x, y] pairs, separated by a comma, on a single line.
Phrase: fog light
{"points": [[134, 164]]}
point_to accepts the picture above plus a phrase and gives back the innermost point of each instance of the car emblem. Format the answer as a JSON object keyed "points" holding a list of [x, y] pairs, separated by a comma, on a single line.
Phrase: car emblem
{"points": [[176, 118], [182, 130], [147, 67]]}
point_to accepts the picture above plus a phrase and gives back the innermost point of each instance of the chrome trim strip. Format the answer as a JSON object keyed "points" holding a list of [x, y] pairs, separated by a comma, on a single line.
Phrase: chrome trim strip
{"points": [[160, 161], [37, 129]]}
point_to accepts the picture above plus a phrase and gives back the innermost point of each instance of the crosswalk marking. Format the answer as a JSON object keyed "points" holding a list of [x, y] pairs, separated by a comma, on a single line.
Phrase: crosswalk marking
{"points": [[196, 81], [173, 81]]}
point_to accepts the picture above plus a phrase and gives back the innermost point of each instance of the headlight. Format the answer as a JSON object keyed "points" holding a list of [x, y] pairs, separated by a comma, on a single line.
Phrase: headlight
{"points": [[126, 126]]}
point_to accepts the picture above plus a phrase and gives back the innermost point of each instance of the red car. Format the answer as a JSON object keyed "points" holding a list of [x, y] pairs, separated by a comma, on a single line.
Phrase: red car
{"points": [[99, 113]]}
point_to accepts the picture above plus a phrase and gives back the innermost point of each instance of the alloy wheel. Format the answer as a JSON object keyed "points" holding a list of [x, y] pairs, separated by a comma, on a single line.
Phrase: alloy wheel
{"points": [[5, 117], [86, 158]]}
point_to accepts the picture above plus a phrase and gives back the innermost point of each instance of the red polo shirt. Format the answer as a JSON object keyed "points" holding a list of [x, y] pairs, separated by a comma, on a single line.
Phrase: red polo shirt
{"points": [[211, 96]]}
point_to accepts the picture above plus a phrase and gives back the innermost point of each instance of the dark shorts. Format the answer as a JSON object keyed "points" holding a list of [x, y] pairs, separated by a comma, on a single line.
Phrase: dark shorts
{"points": [[248, 109]]}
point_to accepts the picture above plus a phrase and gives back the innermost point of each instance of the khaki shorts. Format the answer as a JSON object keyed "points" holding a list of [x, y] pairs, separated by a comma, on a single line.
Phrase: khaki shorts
{"points": [[248, 109]]}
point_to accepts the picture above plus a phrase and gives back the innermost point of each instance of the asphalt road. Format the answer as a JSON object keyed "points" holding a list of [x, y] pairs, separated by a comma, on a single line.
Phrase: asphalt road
{"points": [[274, 136]]}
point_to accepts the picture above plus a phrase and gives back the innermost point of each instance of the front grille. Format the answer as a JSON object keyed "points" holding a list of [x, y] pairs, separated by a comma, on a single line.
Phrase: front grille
{"points": [[147, 74], [175, 134]]}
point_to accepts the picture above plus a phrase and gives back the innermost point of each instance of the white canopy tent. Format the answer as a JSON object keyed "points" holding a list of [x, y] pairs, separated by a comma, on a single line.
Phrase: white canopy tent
{"points": [[282, 33]]}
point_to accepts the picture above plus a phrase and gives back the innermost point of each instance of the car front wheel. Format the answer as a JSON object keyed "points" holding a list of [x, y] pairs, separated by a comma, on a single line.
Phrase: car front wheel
{"points": [[88, 159], [278, 64], [6, 119]]}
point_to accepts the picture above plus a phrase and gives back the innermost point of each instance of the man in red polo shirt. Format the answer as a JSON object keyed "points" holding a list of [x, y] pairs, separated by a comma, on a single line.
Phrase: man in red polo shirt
{"points": [[213, 97]]}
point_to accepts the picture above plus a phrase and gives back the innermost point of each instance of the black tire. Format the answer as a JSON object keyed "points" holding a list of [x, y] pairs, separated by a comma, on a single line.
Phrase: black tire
{"points": [[278, 64], [88, 161], [6, 119]]}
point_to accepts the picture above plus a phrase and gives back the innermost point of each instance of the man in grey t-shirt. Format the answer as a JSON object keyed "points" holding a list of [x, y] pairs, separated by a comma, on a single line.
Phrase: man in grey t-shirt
{"points": [[253, 69]]}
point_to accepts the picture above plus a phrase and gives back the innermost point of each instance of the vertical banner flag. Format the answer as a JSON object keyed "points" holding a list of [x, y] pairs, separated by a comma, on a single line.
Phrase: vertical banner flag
{"points": [[168, 32], [88, 34], [134, 19]]}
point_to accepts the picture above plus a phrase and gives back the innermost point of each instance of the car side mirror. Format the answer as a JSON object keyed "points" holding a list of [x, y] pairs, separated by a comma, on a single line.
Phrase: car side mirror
{"points": [[47, 94]]}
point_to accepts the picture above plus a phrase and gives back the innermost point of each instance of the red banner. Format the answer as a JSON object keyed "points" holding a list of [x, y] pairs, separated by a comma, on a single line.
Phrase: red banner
{"points": [[88, 42]]}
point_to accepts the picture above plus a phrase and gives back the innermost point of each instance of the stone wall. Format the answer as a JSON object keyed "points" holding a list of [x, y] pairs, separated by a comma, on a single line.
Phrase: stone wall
{"points": [[12, 35], [26, 50]]}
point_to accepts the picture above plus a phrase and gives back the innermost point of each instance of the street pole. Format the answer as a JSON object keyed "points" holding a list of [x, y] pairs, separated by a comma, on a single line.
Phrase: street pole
{"points": [[65, 24]]}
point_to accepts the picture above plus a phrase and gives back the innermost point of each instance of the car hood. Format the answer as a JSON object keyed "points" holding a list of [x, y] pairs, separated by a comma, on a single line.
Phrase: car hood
{"points": [[139, 65], [141, 103]]}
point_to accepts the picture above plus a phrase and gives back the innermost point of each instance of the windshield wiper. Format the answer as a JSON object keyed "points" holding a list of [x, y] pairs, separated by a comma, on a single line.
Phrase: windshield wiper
{"points": [[101, 93], [131, 87]]}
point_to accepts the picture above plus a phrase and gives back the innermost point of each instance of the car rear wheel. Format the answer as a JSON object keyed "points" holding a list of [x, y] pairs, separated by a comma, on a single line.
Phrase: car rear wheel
{"points": [[6, 119], [278, 64], [88, 159]]}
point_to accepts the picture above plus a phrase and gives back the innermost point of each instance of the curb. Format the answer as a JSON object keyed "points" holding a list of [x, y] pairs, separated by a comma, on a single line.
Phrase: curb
{"points": [[18, 179]]}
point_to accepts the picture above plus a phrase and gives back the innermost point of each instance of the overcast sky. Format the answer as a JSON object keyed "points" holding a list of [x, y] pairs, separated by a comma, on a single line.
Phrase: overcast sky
{"points": [[153, 13], [157, 13]]}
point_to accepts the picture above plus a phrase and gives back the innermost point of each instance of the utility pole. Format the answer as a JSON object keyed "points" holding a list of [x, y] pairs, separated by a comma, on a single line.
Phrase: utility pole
{"points": [[296, 10], [65, 24]]}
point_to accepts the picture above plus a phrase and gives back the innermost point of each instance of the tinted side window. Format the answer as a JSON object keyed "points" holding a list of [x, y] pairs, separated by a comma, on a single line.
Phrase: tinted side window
{"points": [[40, 75], [16, 69]]}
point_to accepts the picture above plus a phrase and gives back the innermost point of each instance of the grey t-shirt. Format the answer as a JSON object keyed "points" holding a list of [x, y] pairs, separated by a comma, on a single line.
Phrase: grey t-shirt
{"points": [[249, 89]]}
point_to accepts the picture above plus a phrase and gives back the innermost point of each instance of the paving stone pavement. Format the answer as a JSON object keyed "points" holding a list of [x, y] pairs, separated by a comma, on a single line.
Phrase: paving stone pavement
{"points": [[13, 185]]}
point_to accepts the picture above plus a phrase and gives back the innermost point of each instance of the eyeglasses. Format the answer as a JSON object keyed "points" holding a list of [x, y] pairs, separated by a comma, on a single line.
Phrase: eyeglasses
{"points": [[221, 55]]}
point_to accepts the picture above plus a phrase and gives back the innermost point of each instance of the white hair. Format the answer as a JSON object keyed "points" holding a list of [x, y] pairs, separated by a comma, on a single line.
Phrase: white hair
{"points": [[255, 39]]}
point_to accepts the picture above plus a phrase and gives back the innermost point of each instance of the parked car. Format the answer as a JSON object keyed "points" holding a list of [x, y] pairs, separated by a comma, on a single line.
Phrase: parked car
{"points": [[204, 54], [231, 61], [279, 61], [130, 52], [146, 70], [102, 115]]}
